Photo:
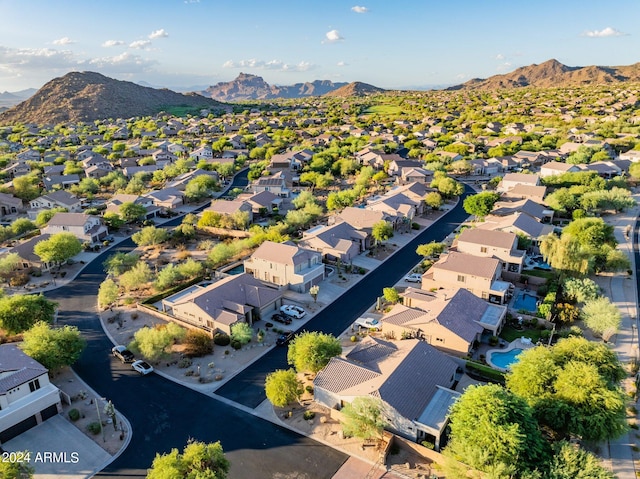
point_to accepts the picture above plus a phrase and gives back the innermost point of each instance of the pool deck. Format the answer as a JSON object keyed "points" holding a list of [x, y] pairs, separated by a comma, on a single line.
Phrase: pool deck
{"points": [[520, 343]]}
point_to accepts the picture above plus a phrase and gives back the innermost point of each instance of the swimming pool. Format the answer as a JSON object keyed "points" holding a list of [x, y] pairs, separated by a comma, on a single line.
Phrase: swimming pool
{"points": [[236, 270], [525, 301], [504, 359]]}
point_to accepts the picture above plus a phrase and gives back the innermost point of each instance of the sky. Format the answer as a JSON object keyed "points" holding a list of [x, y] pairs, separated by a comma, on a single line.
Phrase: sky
{"points": [[189, 44]]}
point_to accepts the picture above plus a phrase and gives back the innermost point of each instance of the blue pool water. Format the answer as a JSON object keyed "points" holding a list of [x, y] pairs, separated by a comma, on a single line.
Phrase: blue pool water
{"points": [[506, 359], [236, 269], [526, 302]]}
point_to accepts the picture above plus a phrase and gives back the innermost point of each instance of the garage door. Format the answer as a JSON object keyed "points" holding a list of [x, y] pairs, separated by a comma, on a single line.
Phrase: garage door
{"points": [[49, 412], [18, 429]]}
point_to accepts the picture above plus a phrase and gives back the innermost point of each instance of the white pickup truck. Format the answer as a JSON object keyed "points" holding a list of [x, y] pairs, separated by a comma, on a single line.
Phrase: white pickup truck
{"points": [[369, 323]]}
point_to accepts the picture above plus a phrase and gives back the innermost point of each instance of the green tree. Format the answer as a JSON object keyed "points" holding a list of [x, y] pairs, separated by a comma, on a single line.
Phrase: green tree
{"points": [[45, 215], [573, 388], [107, 293], [602, 317], [197, 461], [21, 470], [481, 204], [19, 312], [118, 263], [113, 220], [391, 295], [571, 462], [21, 226], [190, 268], [363, 418], [580, 290], [381, 231], [433, 200], [241, 332], [200, 187], [430, 250], [167, 277], [311, 351], [129, 211], [53, 348], [152, 343], [59, 248], [26, 187], [8, 265], [150, 236], [282, 387], [135, 278], [494, 431]]}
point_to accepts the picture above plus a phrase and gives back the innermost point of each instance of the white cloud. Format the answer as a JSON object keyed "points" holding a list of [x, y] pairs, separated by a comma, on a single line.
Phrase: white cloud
{"points": [[606, 32], [125, 63], [359, 9], [63, 41], [503, 67], [499, 57], [275, 65], [25, 60], [332, 36], [342, 64], [139, 44], [158, 34], [461, 76], [112, 43]]}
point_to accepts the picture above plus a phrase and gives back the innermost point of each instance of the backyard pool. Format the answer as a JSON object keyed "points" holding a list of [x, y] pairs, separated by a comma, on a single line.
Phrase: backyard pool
{"points": [[236, 270], [526, 302], [504, 359]]}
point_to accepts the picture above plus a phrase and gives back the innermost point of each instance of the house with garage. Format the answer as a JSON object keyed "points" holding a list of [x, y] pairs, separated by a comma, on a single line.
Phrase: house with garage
{"points": [[340, 241], [27, 397], [231, 207], [263, 203], [452, 321], [518, 223], [30, 260], [512, 179], [412, 380], [502, 245], [116, 201], [9, 205], [276, 184], [55, 199], [220, 305], [167, 199], [287, 265], [554, 168], [87, 228], [479, 275]]}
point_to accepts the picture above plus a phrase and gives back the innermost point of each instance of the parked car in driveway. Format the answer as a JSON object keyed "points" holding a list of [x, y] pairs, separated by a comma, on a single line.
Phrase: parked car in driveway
{"points": [[292, 310], [123, 354], [413, 278], [284, 338], [281, 318], [142, 367], [369, 323]]}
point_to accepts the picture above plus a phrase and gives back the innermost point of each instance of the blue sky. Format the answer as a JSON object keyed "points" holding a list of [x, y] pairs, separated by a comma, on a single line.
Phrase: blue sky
{"points": [[390, 44]]}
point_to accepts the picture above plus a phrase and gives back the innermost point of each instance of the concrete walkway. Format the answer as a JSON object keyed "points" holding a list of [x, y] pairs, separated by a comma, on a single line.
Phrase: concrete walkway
{"points": [[621, 288]]}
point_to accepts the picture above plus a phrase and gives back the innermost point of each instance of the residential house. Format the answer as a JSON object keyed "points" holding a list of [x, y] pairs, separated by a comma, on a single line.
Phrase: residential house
{"points": [[87, 228], [536, 210], [493, 244], [60, 181], [340, 241], [9, 204], [116, 201], [512, 179], [168, 199], [398, 164], [479, 275], [276, 184], [30, 260], [27, 397], [220, 305], [453, 321], [416, 174], [262, 203], [55, 199], [605, 169], [553, 168], [525, 192], [180, 182], [489, 167], [631, 155], [413, 381], [131, 171], [285, 264], [518, 223], [231, 207], [202, 153]]}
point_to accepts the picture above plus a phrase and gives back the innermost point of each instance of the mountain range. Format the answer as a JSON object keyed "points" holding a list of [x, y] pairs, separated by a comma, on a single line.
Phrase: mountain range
{"points": [[552, 73], [252, 87]]}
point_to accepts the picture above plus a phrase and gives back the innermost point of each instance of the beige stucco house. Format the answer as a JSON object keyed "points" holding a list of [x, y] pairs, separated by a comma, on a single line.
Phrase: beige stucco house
{"points": [[492, 244], [87, 228], [285, 264]]}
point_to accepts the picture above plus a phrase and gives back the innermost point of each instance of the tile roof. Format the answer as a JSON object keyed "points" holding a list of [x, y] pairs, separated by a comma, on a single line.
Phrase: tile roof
{"points": [[498, 239], [465, 263], [283, 253], [17, 368]]}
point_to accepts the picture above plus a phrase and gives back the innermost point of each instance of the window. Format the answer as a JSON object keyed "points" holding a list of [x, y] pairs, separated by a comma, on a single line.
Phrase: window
{"points": [[483, 249], [34, 385], [460, 278]]}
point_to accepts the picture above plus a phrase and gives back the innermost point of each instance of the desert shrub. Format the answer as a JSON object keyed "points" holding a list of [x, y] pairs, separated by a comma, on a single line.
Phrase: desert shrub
{"points": [[94, 427], [309, 389], [19, 278], [493, 340], [308, 415], [197, 343], [184, 363], [236, 345], [74, 414], [428, 445], [221, 339]]}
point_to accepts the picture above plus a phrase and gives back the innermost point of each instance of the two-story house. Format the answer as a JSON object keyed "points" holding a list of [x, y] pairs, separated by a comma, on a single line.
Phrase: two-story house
{"points": [[492, 244], [477, 274], [285, 264], [55, 199], [27, 398], [87, 228]]}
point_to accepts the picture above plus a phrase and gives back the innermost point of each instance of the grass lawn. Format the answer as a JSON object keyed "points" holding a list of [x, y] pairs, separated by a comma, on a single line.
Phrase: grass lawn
{"points": [[539, 273], [509, 333], [383, 110]]}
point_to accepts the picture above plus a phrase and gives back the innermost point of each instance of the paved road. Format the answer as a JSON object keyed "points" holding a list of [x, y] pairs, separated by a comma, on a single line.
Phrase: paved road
{"points": [[165, 415], [247, 388]]}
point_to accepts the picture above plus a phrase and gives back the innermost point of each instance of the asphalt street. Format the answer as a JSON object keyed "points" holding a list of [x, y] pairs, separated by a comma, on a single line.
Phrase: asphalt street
{"points": [[165, 415]]}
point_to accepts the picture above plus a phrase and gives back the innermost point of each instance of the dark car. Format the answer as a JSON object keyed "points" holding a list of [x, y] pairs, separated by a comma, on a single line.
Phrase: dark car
{"points": [[123, 354], [281, 318], [284, 338]]}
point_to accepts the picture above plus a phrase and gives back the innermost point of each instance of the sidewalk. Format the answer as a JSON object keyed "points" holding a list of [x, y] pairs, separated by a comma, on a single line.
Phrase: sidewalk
{"points": [[621, 288]]}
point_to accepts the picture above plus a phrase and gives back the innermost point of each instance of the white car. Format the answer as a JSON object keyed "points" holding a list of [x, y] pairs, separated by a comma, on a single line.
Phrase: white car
{"points": [[413, 278], [142, 367], [369, 323], [292, 310]]}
